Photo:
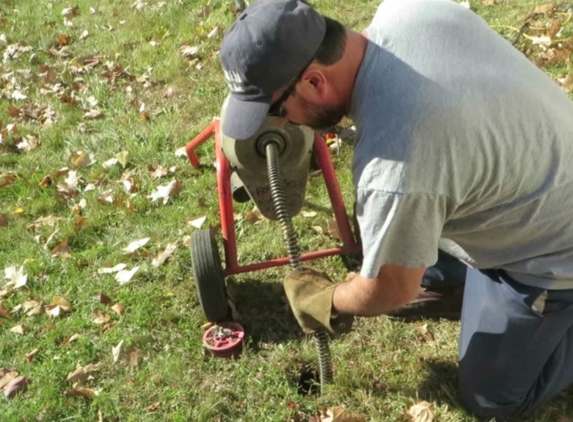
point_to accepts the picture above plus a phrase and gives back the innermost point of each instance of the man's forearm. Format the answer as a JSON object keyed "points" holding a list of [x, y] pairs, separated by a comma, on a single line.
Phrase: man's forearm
{"points": [[371, 297]]}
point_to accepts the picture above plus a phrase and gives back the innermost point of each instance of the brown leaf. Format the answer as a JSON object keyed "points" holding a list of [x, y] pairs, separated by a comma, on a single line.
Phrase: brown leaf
{"points": [[70, 339], [86, 393], [48, 74], [61, 303], [153, 407], [254, 216], [339, 414], [333, 230], [93, 114], [80, 222], [46, 182], [104, 299], [488, 2], [18, 329], [30, 356], [62, 249], [3, 220], [567, 83], [421, 412], [5, 313], [6, 376], [100, 318], [81, 373], [82, 160], [118, 308], [63, 39], [545, 8], [6, 180], [132, 356], [554, 29], [17, 385]]}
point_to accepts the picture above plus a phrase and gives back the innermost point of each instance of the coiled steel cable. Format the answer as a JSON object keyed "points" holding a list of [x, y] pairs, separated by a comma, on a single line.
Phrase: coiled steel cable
{"points": [[291, 241]]}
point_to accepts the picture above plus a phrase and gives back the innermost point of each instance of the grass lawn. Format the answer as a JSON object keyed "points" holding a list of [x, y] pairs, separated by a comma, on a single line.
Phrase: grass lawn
{"points": [[96, 99]]}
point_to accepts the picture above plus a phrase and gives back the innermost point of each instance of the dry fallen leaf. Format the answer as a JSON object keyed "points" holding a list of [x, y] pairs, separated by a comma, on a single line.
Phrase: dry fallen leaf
{"points": [[135, 245], [162, 257], [122, 158], [118, 308], [17, 385], [153, 407], [58, 306], [86, 393], [197, 222], [166, 191], [31, 355], [132, 356], [69, 340], [125, 276], [3, 220], [339, 414], [18, 329], [81, 373], [100, 318], [110, 270], [63, 248], [15, 276], [6, 376], [116, 351], [4, 313], [545, 8], [421, 412]]}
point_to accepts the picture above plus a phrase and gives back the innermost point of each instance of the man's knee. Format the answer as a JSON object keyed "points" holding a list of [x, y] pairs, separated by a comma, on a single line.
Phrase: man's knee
{"points": [[488, 405]]}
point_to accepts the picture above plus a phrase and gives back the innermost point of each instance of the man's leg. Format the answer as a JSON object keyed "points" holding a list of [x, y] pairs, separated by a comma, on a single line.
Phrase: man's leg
{"points": [[516, 344], [441, 292]]}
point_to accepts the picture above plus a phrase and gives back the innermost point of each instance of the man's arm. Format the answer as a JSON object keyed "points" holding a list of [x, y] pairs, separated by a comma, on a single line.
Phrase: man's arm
{"points": [[393, 287]]}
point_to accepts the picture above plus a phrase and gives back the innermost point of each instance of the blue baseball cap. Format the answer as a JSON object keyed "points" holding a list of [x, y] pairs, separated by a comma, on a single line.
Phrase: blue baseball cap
{"points": [[266, 48]]}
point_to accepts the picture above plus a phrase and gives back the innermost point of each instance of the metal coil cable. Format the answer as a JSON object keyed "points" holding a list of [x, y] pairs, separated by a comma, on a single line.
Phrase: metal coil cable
{"points": [[291, 241]]}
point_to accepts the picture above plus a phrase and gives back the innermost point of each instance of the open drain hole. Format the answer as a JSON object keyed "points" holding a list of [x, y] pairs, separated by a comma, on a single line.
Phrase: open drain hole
{"points": [[308, 381]]}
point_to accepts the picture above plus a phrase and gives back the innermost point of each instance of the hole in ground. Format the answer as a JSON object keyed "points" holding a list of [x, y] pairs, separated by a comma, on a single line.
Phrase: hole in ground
{"points": [[308, 381]]}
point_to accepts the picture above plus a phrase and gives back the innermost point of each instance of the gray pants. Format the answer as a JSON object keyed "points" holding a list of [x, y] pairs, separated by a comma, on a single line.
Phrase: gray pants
{"points": [[516, 344]]}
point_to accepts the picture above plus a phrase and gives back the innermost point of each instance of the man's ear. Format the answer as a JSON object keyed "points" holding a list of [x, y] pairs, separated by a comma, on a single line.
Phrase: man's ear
{"points": [[314, 84]]}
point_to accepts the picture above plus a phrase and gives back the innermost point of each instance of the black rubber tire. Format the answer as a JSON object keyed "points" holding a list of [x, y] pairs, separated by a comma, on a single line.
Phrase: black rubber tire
{"points": [[209, 278]]}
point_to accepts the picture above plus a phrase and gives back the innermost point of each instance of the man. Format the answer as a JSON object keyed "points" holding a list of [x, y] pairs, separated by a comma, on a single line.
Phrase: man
{"points": [[462, 144]]}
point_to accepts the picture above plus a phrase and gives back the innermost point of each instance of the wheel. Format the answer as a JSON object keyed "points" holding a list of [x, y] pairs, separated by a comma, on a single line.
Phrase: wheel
{"points": [[209, 278]]}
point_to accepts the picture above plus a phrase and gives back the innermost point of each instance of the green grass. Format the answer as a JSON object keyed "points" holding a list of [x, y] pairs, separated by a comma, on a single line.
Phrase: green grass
{"points": [[381, 368]]}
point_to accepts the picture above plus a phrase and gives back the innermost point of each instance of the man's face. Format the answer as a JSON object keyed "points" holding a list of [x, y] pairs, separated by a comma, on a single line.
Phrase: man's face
{"points": [[320, 117], [302, 111]]}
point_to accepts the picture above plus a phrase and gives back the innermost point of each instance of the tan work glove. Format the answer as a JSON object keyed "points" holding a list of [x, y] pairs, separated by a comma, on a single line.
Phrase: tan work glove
{"points": [[310, 293]]}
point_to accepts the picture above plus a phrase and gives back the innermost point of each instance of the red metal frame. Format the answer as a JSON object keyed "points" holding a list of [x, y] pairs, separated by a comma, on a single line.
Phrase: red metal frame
{"points": [[349, 244]]}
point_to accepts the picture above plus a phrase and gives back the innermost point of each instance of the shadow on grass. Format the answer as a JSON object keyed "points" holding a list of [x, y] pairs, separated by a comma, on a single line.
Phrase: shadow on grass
{"points": [[441, 383], [264, 312]]}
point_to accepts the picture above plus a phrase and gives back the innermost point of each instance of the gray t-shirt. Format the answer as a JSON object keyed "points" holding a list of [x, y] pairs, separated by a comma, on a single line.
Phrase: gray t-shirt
{"points": [[463, 144]]}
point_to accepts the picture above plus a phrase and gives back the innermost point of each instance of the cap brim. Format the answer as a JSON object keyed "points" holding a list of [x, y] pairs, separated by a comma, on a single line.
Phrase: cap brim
{"points": [[242, 119]]}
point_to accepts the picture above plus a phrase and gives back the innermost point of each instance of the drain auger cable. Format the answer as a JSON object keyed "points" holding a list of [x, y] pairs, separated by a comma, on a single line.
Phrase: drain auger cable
{"points": [[290, 239]]}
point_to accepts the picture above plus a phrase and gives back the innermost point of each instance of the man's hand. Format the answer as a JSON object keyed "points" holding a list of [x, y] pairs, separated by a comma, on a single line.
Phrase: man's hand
{"points": [[310, 293]]}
